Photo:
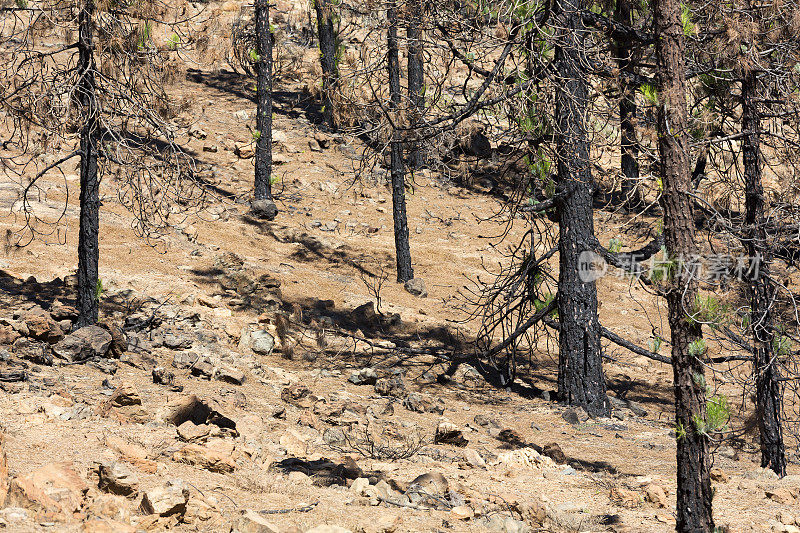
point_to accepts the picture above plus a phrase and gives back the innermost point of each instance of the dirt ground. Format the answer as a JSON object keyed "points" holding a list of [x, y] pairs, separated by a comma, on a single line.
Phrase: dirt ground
{"points": [[613, 474]]}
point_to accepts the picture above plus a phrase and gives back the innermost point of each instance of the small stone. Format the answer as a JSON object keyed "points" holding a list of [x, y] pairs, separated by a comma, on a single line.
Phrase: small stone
{"points": [[117, 478], [473, 458], [253, 522], [262, 342], [167, 500], [781, 495], [365, 376], [359, 485], [264, 209], [205, 457], [183, 360], [229, 374], [462, 512], [575, 415], [554, 452], [449, 433], [416, 287], [655, 494], [245, 150]]}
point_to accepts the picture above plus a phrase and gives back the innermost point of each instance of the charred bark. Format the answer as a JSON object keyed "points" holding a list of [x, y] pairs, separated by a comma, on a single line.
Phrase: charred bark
{"points": [[401, 239], [263, 156], [694, 493], [580, 370], [625, 48], [769, 394], [326, 32], [416, 77], [89, 230]]}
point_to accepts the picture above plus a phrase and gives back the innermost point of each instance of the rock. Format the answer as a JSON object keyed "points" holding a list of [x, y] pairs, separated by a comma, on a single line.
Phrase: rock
{"points": [[391, 386], [55, 487], [177, 341], [203, 368], [199, 510], [116, 478], [449, 433], [262, 342], [253, 522], [205, 457], [125, 394], [183, 360], [554, 452], [167, 500], [431, 484], [359, 485], [365, 314], [719, 476], [298, 395], [42, 327], [786, 518], [385, 523], [473, 458], [314, 146], [264, 209], [625, 497], [365, 376], [229, 374], [325, 528], [182, 407], [243, 115], [119, 341], [197, 433], [84, 343], [294, 443], [416, 287], [423, 403], [61, 311], [655, 494], [111, 506], [487, 421], [245, 150], [781, 495], [462, 512], [575, 415]]}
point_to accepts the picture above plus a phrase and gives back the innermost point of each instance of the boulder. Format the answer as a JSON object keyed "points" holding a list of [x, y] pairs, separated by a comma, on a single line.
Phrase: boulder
{"points": [[364, 376], [117, 478], [416, 287], [205, 457], [84, 343], [167, 500], [43, 327], [575, 415], [264, 209], [54, 487]]}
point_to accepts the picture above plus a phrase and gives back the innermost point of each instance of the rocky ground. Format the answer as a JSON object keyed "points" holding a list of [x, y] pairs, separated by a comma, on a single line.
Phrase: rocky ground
{"points": [[253, 376]]}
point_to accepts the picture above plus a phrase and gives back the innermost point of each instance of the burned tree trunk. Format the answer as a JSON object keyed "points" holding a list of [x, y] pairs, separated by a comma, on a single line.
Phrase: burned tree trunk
{"points": [[401, 240], [263, 156], [629, 145], [89, 231], [694, 484], [327, 48], [769, 394], [580, 370], [416, 77]]}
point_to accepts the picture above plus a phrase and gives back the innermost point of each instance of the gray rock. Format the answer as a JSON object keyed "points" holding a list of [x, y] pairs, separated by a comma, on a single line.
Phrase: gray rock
{"points": [[416, 287], [177, 341], [575, 415], [229, 374], [264, 209], [252, 522], [183, 360], [392, 386], [423, 403], [262, 342], [365, 376], [117, 478], [86, 342], [503, 524]]}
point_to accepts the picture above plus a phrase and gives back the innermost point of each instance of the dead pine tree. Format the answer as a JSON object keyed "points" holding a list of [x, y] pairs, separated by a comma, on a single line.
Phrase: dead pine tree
{"points": [[694, 493], [263, 205], [108, 86], [329, 58], [405, 272]]}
